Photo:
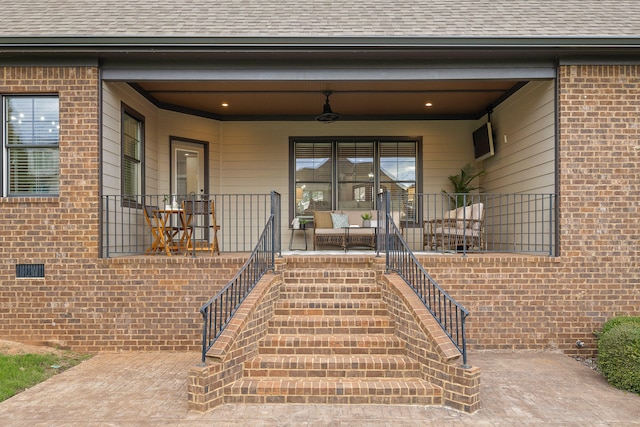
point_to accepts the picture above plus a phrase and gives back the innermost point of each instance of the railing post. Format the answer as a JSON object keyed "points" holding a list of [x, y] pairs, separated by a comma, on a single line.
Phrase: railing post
{"points": [[106, 223], [465, 365], [464, 230], [205, 335]]}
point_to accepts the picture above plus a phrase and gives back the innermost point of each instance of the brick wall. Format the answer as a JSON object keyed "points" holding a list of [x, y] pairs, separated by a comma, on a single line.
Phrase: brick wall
{"points": [[516, 302], [534, 303], [87, 303]]}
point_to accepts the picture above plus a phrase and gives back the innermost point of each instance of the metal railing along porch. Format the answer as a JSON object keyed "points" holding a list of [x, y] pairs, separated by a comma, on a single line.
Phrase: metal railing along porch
{"points": [[240, 217]]}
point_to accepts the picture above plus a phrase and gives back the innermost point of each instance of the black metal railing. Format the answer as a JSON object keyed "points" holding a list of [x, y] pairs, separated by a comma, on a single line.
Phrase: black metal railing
{"points": [[510, 223], [449, 314], [240, 219], [219, 310]]}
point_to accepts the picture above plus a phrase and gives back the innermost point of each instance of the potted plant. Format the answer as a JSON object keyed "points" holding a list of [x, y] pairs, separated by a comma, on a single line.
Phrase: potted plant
{"points": [[366, 219], [463, 185], [302, 223], [167, 202], [171, 202]]}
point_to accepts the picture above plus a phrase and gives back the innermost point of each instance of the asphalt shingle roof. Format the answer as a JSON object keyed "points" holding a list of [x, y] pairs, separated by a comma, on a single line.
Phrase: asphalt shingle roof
{"points": [[321, 18]]}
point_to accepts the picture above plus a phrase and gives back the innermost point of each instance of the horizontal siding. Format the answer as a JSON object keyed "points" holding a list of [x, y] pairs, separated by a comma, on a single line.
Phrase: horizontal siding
{"points": [[525, 163], [113, 95]]}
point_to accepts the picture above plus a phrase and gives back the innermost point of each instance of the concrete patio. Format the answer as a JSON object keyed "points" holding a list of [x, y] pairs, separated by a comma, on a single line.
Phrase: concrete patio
{"points": [[144, 389]]}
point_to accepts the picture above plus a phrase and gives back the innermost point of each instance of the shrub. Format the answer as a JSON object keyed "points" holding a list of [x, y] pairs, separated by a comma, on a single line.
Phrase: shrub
{"points": [[615, 321], [619, 355]]}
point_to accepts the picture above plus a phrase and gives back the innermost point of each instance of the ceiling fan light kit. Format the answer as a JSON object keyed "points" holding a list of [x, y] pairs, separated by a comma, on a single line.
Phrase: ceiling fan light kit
{"points": [[327, 116]]}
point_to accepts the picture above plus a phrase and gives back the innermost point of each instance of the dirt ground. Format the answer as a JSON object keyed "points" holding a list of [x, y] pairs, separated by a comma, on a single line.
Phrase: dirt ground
{"points": [[12, 347]]}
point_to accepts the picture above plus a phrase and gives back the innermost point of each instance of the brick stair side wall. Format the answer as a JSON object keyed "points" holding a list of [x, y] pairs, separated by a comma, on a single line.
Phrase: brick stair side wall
{"points": [[236, 344], [427, 343]]}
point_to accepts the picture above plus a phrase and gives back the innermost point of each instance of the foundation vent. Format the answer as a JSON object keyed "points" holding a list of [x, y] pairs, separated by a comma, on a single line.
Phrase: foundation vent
{"points": [[27, 271]]}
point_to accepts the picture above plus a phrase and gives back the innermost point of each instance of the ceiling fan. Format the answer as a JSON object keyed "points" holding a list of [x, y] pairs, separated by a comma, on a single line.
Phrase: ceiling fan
{"points": [[327, 116]]}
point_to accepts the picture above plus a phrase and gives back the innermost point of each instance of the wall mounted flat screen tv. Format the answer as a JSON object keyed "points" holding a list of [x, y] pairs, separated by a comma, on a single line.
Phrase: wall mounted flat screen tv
{"points": [[483, 142]]}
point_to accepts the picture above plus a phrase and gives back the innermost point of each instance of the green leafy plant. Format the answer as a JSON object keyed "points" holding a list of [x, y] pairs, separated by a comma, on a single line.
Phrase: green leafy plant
{"points": [[619, 356], [366, 216], [463, 184]]}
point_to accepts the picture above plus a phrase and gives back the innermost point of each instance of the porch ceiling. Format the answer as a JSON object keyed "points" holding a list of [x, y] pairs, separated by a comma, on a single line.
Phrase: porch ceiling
{"points": [[354, 100]]}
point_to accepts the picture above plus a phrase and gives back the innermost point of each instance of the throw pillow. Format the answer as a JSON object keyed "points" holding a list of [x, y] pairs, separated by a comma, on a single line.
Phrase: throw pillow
{"points": [[340, 220], [322, 219]]}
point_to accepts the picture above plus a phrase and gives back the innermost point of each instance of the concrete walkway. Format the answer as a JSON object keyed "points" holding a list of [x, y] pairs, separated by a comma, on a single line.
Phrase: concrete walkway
{"points": [[149, 389]]}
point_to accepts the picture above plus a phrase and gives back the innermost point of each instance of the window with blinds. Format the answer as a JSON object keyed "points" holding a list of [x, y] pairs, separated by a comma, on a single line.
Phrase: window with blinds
{"points": [[32, 129], [313, 177], [345, 173], [356, 176], [132, 148]]}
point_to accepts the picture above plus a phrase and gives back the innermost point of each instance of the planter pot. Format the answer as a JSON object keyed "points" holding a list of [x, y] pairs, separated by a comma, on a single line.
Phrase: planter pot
{"points": [[366, 223]]}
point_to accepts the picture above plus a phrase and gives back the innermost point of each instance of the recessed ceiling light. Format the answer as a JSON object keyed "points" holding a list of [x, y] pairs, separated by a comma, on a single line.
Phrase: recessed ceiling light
{"points": [[428, 104], [225, 104]]}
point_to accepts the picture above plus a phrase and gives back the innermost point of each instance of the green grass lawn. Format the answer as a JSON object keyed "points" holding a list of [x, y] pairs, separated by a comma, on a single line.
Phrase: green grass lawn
{"points": [[20, 371]]}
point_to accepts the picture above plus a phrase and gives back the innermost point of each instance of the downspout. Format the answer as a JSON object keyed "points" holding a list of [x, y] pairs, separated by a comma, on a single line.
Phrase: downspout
{"points": [[100, 150], [556, 211]]}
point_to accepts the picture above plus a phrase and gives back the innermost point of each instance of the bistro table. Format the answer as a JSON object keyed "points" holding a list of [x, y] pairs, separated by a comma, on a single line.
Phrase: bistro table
{"points": [[169, 228]]}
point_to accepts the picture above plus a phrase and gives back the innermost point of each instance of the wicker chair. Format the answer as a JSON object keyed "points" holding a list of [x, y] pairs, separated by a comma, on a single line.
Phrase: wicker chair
{"points": [[461, 227]]}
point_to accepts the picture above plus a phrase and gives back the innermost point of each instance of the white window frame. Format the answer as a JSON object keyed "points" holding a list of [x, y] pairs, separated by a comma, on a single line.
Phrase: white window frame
{"points": [[41, 145]]}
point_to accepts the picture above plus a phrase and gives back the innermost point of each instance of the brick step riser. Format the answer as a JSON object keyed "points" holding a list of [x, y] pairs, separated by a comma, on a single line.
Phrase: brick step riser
{"points": [[336, 262], [333, 341], [310, 278], [332, 366], [328, 330], [328, 273], [313, 296], [285, 390], [297, 287], [331, 322], [319, 280], [312, 374], [324, 399], [329, 351], [331, 304], [330, 312]]}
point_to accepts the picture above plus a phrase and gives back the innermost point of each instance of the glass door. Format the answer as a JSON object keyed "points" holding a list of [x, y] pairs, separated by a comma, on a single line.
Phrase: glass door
{"points": [[188, 169], [189, 180]]}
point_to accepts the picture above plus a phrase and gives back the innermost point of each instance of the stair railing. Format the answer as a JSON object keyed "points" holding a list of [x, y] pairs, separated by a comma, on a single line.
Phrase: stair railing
{"points": [[219, 310], [449, 314]]}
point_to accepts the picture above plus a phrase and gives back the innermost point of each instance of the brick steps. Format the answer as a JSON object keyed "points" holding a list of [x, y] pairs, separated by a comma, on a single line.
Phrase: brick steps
{"points": [[331, 344], [333, 390], [330, 325], [324, 291], [339, 366], [331, 307], [331, 340]]}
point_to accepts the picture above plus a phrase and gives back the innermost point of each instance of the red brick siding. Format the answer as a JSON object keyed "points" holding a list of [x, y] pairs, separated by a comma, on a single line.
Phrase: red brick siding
{"points": [[516, 302]]}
